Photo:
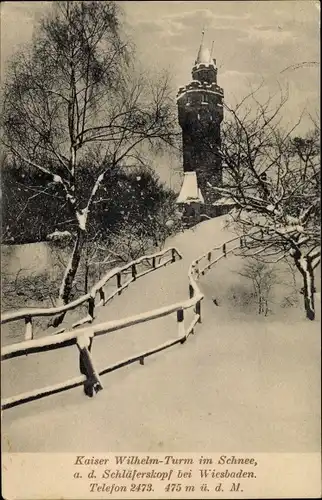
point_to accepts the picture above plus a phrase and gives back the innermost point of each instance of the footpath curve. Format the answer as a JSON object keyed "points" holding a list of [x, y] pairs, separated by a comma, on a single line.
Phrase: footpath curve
{"points": [[227, 388]]}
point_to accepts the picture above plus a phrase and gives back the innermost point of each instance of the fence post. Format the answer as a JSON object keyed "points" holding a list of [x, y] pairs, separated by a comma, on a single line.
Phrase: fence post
{"points": [[180, 320], [198, 310], [91, 307], [133, 271], [119, 282], [224, 249], [209, 256], [191, 291], [153, 262], [241, 242], [28, 329], [173, 252], [92, 383]]}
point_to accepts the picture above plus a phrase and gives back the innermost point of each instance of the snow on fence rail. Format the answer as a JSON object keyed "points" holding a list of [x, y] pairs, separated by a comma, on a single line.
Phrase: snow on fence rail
{"points": [[83, 338], [155, 260]]}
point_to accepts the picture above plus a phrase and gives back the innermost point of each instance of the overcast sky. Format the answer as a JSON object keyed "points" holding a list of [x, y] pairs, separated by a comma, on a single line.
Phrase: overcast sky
{"points": [[253, 41]]}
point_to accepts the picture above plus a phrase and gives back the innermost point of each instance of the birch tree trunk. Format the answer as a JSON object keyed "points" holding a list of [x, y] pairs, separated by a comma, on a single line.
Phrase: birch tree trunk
{"points": [[72, 267], [69, 276], [304, 265]]}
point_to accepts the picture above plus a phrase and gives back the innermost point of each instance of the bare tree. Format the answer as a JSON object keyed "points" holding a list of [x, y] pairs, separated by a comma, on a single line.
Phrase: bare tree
{"points": [[75, 96], [274, 179], [263, 278]]}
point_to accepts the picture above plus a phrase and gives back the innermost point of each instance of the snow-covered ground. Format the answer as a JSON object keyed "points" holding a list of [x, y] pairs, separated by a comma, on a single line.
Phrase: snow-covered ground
{"points": [[240, 383]]}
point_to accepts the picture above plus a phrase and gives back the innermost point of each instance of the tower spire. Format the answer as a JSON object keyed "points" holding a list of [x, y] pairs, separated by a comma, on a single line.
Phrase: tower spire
{"points": [[203, 55], [202, 35]]}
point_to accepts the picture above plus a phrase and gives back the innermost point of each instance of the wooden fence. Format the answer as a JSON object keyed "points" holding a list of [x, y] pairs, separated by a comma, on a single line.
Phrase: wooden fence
{"points": [[83, 337], [97, 296]]}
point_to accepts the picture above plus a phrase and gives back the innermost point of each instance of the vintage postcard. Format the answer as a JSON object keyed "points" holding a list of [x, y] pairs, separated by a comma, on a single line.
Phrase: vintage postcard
{"points": [[160, 282]]}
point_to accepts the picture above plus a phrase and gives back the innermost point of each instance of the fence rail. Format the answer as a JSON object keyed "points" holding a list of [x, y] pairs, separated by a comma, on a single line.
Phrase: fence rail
{"points": [[83, 337], [97, 290]]}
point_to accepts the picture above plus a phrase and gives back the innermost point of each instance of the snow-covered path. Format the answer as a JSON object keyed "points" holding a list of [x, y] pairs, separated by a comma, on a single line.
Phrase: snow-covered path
{"points": [[251, 386]]}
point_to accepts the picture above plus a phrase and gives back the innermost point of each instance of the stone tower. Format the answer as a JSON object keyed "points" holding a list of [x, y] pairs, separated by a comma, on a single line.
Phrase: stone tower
{"points": [[200, 111]]}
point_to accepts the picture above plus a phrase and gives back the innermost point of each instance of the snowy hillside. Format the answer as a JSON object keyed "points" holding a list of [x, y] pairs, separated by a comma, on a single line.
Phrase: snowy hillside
{"points": [[240, 383]]}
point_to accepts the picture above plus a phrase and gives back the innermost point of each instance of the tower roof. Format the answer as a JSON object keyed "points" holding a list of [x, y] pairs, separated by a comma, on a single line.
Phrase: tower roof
{"points": [[203, 56]]}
